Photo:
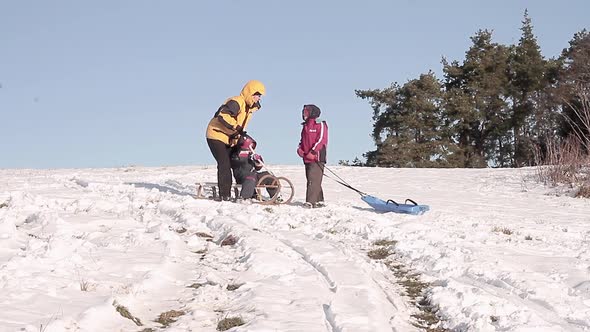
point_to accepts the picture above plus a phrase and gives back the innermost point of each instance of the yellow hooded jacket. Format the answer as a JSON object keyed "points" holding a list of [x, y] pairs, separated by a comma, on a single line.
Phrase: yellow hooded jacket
{"points": [[226, 120]]}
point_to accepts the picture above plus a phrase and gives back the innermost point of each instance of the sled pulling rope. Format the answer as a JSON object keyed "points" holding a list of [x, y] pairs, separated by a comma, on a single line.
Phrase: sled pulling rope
{"points": [[379, 204]]}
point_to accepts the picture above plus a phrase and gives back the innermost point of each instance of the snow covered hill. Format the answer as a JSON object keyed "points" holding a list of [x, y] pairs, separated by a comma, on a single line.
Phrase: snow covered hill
{"points": [[129, 249]]}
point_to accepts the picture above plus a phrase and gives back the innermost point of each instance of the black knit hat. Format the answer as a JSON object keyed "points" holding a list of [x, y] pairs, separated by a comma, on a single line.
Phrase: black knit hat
{"points": [[311, 111]]}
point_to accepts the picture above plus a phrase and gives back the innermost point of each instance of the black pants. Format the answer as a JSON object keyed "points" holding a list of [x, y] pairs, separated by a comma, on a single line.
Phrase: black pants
{"points": [[249, 180], [314, 172], [221, 153]]}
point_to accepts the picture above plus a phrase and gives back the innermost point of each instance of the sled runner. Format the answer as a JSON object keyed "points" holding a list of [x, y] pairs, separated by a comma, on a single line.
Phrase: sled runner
{"points": [[282, 187], [391, 206]]}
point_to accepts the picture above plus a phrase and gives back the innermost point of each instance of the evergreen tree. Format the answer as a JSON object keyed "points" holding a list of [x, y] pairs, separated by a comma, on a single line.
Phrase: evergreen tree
{"points": [[527, 81], [408, 124], [475, 103]]}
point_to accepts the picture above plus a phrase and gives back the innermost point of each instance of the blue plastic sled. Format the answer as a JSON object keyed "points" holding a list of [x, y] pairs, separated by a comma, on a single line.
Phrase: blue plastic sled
{"points": [[391, 206]]}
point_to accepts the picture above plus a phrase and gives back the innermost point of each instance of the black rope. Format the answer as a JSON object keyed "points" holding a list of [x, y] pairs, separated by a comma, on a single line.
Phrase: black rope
{"points": [[342, 182]]}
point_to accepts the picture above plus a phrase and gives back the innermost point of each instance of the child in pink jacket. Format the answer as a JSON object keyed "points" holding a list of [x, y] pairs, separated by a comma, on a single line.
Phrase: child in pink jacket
{"points": [[312, 148]]}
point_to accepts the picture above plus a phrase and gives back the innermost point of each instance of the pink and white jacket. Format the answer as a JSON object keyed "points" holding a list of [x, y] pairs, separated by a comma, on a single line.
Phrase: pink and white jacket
{"points": [[314, 140]]}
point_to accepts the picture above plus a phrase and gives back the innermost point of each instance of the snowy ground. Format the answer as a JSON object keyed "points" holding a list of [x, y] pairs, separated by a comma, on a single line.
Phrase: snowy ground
{"points": [[498, 251]]}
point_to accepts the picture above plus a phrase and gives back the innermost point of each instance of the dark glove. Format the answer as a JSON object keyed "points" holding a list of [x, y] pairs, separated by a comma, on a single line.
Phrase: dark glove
{"points": [[256, 157], [239, 132]]}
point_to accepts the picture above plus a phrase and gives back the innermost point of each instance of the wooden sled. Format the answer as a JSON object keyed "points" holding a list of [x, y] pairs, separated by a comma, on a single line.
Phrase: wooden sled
{"points": [[284, 190]]}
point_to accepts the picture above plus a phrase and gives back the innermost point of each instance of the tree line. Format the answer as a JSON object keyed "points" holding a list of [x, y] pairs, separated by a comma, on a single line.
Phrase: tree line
{"points": [[501, 106]]}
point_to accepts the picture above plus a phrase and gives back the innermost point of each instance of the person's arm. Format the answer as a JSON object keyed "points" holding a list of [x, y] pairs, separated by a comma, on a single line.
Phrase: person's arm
{"points": [[300, 151], [322, 140], [256, 160], [227, 114]]}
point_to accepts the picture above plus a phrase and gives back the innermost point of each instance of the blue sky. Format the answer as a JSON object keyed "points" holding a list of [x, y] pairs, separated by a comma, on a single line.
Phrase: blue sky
{"points": [[116, 83]]}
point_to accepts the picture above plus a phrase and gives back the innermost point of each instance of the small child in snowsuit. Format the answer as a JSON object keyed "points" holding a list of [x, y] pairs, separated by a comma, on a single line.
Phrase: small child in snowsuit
{"points": [[312, 148], [246, 165]]}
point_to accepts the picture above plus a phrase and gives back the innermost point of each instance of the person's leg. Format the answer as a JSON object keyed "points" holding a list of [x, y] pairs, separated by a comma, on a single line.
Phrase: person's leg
{"points": [[308, 185], [248, 186], [321, 195], [314, 174], [268, 181], [221, 154]]}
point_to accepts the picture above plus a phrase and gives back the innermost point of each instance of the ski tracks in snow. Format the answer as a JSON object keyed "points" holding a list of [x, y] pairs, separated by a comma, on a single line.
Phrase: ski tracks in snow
{"points": [[353, 297]]}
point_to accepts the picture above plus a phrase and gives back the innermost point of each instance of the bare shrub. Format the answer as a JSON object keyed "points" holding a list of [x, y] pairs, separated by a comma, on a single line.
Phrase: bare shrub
{"points": [[562, 162], [566, 163], [584, 191], [580, 119], [569, 162]]}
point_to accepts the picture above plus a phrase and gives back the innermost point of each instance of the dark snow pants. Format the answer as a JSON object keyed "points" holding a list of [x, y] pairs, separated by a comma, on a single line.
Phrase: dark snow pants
{"points": [[314, 172], [221, 152], [249, 185]]}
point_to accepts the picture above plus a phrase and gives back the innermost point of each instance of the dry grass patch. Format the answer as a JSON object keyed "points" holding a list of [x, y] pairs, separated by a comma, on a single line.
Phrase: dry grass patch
{"points": [[413, 285], [197, 285], [84, 285], [169, 317], [385, 243], [207, 237], [503, 230], [123, 311], [379, 253], [229, 240], [233, 287], [229, 322], [426, 319]]}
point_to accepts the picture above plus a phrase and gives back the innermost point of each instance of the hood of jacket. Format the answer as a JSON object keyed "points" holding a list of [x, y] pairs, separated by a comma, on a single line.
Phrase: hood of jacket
{"points": [[249, 89]]}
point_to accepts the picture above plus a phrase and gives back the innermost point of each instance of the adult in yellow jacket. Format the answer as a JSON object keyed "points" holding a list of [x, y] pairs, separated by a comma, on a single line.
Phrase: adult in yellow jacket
{"points": [[226, 127]]}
